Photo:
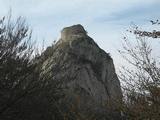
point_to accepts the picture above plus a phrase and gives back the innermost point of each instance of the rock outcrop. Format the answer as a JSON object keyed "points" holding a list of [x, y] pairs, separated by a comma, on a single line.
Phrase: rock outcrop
{"points": [[86, 71]]}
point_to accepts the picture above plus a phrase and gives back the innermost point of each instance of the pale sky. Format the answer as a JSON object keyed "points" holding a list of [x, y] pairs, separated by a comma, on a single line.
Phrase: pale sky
{"points": [[105, 20]]}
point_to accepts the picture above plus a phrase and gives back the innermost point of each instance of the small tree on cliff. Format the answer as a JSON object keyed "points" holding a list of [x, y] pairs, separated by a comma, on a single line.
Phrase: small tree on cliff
{"points": [[141, 84]]}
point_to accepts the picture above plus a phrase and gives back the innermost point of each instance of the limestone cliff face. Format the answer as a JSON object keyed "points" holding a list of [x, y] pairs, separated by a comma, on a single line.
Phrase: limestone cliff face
{"points": [[85, 70]]}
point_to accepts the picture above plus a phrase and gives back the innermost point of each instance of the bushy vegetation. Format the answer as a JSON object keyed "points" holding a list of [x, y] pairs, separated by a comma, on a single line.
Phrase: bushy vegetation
{"points": [[141, 81], [22, 93]]}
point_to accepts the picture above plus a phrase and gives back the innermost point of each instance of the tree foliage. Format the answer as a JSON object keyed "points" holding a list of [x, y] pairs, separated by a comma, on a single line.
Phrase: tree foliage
{"points": [[21, 90], [141, 81]]}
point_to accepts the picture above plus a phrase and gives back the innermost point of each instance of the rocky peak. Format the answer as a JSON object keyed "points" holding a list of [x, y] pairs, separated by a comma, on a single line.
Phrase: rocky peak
{"points": [[75, 30], [87, 72]]}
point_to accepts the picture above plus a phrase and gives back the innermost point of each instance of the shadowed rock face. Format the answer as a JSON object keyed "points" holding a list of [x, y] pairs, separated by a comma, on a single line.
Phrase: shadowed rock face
{"points": [[86, 71]]}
